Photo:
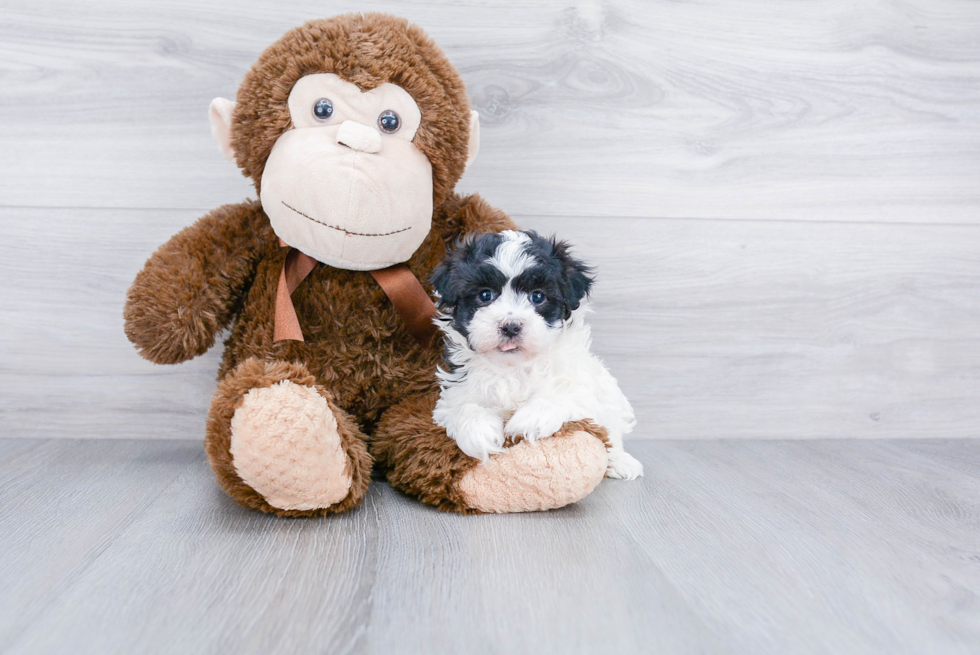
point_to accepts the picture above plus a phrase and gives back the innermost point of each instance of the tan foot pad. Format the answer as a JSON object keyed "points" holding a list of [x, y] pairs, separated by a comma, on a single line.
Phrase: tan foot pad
{"points": [[548, 474], [285, 445]]}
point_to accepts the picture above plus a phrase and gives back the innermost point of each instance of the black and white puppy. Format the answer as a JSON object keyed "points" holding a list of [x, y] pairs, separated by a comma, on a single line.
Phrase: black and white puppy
{"points": [[518, 351]]}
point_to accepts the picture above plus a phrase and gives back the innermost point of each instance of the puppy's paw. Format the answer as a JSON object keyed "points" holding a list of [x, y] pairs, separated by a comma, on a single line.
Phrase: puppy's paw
{"points": [[481, 436], [536, 420], [623, 466]]}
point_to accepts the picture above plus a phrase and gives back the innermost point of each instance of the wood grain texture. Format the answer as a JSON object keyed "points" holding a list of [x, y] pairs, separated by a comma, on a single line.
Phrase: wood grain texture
{"points": [[722, 329], [824, 546], [753, 110], [714, 328], [63, 503]]}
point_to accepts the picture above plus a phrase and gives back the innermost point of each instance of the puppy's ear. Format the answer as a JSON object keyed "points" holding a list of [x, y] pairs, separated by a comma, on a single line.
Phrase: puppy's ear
{"points": [[577, 278], [443, 278], [450, 279]]}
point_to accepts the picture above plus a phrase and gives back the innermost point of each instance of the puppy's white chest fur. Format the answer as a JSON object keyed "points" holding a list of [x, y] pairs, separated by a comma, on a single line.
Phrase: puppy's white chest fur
{"points": [[502, 389], [483, 402]]}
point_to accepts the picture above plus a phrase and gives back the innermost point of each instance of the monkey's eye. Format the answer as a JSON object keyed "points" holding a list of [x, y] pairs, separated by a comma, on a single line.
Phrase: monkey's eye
{"points": [[486, 295], [323, 109], [389, 121], [537, 297]]}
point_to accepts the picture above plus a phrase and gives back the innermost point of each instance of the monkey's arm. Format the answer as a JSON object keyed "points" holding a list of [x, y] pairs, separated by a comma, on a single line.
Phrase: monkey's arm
{"points": [[462, 214], [190, 288]]}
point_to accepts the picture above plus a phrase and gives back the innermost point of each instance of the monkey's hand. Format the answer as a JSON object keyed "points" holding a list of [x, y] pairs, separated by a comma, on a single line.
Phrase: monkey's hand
{"points": [[189, 289]]}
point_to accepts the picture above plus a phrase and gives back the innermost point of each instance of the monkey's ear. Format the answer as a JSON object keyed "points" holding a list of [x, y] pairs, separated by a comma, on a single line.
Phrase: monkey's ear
{"points": [[219, 113], [474, 145]]}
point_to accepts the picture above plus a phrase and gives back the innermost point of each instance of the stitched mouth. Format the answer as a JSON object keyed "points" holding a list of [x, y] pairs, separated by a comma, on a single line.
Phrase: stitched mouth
{"points": [[340, 229]]}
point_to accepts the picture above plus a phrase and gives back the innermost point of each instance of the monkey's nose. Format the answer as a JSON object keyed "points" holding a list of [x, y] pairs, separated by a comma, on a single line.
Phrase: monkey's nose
{"points": [[511, 329], [359, 137]]}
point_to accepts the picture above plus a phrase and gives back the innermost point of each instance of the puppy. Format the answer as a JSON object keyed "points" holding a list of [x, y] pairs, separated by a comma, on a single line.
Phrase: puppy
{"points": [[518, 360]]}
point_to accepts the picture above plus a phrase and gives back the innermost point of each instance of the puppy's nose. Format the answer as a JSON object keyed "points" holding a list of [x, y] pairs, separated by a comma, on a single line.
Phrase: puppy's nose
{"points": [[511, 329], [359, 137]]}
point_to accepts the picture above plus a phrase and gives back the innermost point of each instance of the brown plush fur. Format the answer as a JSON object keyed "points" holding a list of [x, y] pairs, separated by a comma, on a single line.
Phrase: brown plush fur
{"points": [[570, 427], [192, 287], [224, 270], [419, 456], [423, 461], [357, 350]]}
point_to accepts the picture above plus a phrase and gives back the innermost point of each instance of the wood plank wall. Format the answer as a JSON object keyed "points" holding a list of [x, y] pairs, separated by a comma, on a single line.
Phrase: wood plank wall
{"points": [[782, 198]]}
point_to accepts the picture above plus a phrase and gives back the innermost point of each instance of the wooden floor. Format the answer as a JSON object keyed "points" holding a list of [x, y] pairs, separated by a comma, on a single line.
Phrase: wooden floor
{"points": [[824, 546]]}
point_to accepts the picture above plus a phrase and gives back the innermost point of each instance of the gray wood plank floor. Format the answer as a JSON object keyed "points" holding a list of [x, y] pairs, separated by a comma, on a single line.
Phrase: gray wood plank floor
{"points": [[125, 546]]}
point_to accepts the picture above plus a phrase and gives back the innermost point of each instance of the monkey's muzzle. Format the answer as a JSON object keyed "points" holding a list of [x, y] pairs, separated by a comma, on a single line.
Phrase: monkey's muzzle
{"points": [[359, 137]]}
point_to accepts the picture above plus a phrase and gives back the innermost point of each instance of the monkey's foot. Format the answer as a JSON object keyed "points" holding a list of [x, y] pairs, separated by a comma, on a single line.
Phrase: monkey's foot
{"points": [[285, 445], [277, 442], [422, 460], [528, 477]]}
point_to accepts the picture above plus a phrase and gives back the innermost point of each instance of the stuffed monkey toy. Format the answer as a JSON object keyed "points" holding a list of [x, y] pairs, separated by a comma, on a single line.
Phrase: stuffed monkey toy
{"points": [[354, 130]]}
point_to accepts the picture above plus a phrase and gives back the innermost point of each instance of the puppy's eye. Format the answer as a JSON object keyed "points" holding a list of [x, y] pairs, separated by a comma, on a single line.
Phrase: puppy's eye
{"points": [[537, 297], [486, 295], [389, 122], [323, 109]]}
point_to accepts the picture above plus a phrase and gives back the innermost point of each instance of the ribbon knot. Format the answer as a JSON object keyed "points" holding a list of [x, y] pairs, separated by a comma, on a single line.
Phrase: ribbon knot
{"points": [[401, 286]]}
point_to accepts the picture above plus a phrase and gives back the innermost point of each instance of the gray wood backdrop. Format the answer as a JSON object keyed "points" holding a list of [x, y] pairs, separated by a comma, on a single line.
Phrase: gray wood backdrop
{"points": [[782, 198]]}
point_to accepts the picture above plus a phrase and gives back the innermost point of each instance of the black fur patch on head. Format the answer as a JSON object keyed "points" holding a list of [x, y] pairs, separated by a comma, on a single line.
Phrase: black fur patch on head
{"points": [[463, 274], [563, 279]]}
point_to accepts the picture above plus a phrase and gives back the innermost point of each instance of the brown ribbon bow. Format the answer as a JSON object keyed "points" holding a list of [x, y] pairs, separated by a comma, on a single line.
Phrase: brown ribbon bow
{"points": [[399, 283]]}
